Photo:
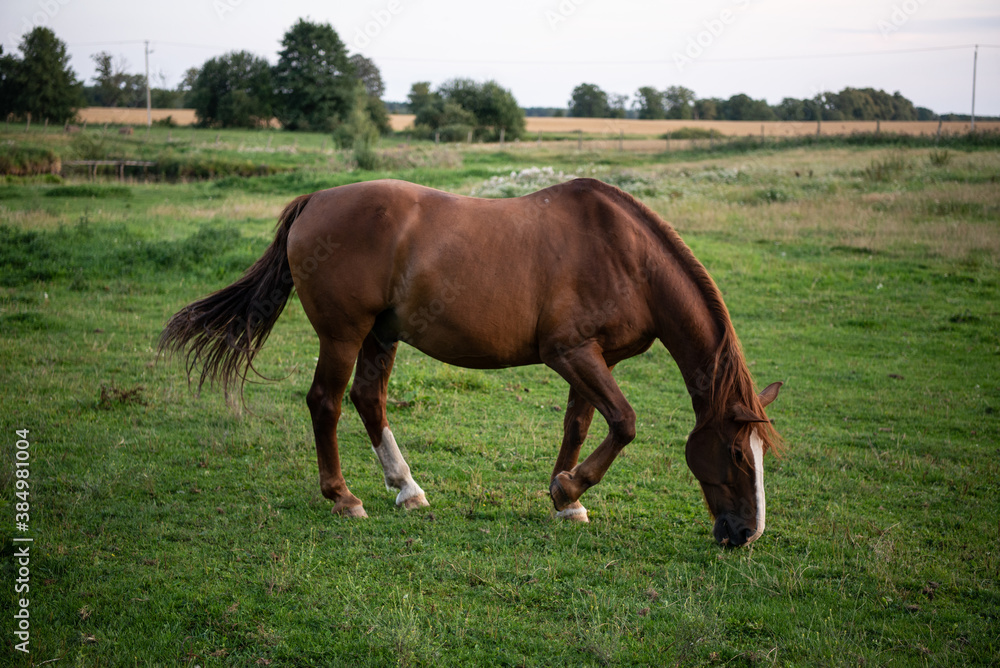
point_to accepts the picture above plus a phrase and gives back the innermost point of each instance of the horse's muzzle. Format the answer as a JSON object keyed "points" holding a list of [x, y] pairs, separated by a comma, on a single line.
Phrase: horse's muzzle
{"points": [[731, 531]]}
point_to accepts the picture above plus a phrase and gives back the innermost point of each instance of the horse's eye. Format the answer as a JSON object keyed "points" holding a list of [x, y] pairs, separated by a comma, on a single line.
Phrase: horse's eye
{"points": [[737, 454]]}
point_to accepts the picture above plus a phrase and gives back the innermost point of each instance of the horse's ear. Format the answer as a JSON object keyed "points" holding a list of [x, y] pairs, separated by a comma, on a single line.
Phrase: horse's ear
{"points": [[743, 414], [769, 393]]}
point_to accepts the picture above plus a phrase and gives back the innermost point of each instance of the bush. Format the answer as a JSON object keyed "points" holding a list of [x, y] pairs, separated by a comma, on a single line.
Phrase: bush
{"points": [[365, 154], [99, 192], [692, 133], [28, 161], [887, 168], [939, 158]]}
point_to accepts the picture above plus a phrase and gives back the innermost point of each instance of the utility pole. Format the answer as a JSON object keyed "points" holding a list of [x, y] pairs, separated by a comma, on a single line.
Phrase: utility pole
{"points": [[149, 104], [975, 57]]}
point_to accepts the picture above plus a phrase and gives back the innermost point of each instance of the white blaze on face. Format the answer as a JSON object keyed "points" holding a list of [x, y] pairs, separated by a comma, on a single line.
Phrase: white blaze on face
{"points": [[758, 482], [396, 472]]}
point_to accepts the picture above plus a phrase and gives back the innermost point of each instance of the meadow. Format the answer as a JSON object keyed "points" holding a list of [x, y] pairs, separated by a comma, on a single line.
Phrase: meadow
{"points": [[172, 528]]}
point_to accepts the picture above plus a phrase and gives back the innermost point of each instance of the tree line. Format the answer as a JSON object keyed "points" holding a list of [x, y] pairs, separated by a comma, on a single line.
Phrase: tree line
{"points": [[317, 85], [678, 102]]}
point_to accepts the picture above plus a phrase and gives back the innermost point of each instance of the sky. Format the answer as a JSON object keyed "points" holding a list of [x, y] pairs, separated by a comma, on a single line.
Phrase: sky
{"points": [[768, 49]]}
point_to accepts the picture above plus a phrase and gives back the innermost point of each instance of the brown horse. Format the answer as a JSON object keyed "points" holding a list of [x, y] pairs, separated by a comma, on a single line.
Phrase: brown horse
{"points": [[579, 276]]}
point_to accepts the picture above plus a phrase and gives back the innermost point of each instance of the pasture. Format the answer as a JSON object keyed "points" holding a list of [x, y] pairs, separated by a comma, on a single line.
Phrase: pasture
{"points": [[175, 529]]}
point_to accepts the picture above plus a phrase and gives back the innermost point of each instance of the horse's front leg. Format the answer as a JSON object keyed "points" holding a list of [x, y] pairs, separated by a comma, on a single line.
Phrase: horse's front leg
{"points": [[590, 378], [579, 414]]}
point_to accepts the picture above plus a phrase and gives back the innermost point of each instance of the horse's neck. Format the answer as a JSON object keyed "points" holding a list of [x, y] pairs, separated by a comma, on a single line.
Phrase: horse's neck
{"points": [[689, 327]]}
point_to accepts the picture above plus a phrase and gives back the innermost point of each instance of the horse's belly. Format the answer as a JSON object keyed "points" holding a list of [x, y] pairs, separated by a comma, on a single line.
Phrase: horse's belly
{"points": [[466, 337]]}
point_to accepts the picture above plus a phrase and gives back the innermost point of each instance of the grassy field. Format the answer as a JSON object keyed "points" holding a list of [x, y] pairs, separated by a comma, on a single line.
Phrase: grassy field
{"points": [[174, 529]]}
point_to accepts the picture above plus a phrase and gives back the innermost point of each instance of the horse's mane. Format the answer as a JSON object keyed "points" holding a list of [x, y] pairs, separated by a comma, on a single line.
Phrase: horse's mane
{"points": [[731, 379]]}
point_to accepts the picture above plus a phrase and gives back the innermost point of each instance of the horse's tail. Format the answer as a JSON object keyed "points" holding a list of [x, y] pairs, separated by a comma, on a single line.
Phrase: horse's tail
{"points": [[224, 331]]}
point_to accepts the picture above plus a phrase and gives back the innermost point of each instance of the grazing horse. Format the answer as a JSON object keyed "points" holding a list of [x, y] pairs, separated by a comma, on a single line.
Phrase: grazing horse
{"points": [[578, 276]]}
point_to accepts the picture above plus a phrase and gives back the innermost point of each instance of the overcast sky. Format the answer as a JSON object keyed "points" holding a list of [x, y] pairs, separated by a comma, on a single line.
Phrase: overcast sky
{"points": [[540, 50]]}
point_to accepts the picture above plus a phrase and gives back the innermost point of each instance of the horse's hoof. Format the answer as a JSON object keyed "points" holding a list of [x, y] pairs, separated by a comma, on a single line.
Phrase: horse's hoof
{"points": [[350, 511], [418, 501], [574, 513], [560, 499]]}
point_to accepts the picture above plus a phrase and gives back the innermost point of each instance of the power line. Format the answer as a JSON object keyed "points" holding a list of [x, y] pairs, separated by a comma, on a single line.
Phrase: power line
{"points": [[153, 42], [815, 56], [663, 61]]}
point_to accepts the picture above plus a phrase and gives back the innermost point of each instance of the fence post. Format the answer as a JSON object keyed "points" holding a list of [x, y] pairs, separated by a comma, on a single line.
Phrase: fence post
{"points": [[45, 127], [938, 137], [28, 126], [819, 126], [539, 142], [579, 140], [621, 141], [761, 134], [668, 142], [468, 139], [437, 137], [878, 126], [501, 137]]}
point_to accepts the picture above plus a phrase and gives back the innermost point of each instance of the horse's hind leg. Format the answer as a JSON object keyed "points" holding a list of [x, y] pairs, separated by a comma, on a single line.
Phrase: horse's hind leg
{"points": [[324, 398], [368, 394]]}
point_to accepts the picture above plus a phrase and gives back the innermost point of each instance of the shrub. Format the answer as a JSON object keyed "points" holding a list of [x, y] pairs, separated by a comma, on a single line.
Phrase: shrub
{"points": [[939, 158], [28, 161], [691, 133], [887, 168]]}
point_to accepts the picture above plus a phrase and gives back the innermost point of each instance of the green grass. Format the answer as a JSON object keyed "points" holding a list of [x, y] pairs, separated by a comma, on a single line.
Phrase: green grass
{"points": [[172, 529]]}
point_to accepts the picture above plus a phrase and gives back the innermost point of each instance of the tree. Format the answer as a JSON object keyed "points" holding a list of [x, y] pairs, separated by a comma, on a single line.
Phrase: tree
{"points": [[422, 101], [496, 109], [679, 102], [707, 109], [115, 86], [234, 90], [616, 105], [367, 71], [8, 83], [465, 104], [588, 101], [41, 82], [649, 103], [368, 74], [792, 109], [867, 104], [742, 107], [314, 79]]}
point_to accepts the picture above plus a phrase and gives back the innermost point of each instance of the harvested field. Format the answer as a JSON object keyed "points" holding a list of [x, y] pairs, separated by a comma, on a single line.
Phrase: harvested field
{"points": [[632, 127], [133, 116], [611, 127]]}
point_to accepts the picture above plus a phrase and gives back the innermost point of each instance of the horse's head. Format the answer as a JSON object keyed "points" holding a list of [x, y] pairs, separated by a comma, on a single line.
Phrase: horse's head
{"points": [[726, 455]]}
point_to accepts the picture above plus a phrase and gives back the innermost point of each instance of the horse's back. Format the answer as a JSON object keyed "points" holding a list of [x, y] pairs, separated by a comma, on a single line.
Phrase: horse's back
{"points": [[472, 281]]}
